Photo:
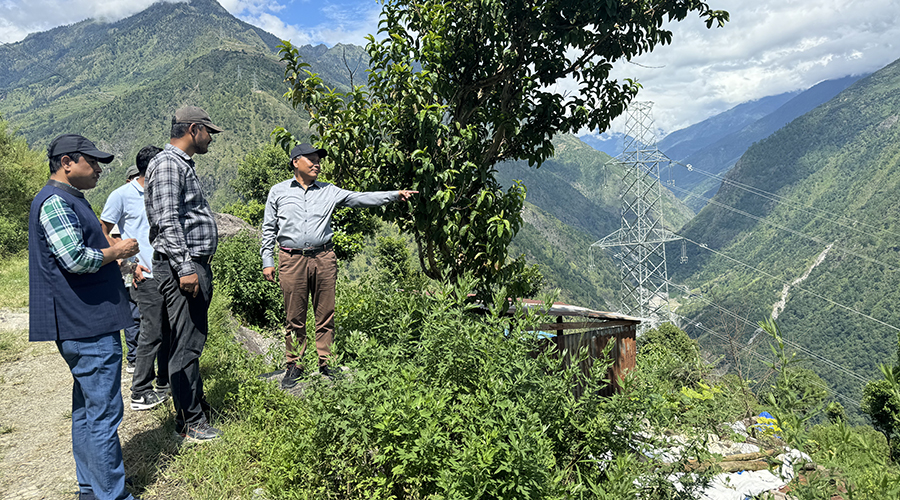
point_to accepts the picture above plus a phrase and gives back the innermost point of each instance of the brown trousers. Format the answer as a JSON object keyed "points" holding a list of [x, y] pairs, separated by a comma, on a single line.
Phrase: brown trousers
{"points": [[301, 277]]}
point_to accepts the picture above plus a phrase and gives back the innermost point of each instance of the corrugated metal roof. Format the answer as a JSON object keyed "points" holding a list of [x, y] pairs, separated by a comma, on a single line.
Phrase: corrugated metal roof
{"points": [[560, 309]]}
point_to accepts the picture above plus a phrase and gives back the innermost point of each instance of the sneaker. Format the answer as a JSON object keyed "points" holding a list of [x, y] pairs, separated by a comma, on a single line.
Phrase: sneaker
{"points": [[129, 368], [163, 390], [147, 400], [200, 432], [291, 374]]}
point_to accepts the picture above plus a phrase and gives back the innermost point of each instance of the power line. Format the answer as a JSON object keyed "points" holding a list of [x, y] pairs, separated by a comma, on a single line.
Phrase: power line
{"points": [[793, 231], [784, 201], [848, 399], [790, 343], [826, 299]]}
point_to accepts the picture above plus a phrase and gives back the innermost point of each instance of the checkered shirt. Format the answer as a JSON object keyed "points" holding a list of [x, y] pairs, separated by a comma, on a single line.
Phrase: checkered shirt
{"points": [[182, 224]]}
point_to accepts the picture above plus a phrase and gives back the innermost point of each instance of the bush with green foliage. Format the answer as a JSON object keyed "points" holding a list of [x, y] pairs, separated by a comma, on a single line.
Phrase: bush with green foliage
{"points": [[23, 172], [881, 402], [238, 274], [857, 458], [442, 400], [676, 350]]}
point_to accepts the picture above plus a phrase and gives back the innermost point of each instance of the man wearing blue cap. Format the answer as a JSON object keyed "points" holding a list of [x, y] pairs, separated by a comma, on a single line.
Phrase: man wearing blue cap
{"points": [[297, 218], [77, 299]]}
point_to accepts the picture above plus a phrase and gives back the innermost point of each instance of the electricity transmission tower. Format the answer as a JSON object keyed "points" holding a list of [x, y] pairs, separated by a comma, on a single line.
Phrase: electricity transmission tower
{"points": [[641, 241]]}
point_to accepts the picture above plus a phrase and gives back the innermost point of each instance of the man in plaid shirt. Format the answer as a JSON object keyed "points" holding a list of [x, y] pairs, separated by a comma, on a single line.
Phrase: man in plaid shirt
{"points": [[184, 237], [77, 299]]}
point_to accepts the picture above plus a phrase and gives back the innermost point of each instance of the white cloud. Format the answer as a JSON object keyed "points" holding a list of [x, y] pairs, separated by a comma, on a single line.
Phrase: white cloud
{"points": [[19, 18], [769, 47], [335, 24]]}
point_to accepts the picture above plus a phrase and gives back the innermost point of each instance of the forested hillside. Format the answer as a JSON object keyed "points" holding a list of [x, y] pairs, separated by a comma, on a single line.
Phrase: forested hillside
{"points": [[826, 181], [119, 83]]}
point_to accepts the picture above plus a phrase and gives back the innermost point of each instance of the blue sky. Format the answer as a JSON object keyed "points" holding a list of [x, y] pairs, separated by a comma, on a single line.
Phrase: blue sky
{"points": [[769, 47]]}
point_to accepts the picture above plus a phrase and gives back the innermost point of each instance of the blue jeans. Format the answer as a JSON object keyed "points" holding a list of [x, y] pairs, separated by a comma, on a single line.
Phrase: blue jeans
{"points": [[97, 409]]}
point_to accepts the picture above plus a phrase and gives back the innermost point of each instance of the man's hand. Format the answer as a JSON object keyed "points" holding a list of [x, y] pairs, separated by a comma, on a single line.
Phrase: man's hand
{"points": [[121, 249], [139, 274], [269, 273], [190, 284], [406, 194]]}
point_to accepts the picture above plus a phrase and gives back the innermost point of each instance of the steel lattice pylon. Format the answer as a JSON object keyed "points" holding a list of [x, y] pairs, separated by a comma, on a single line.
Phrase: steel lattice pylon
{"points": [[643, 236]]}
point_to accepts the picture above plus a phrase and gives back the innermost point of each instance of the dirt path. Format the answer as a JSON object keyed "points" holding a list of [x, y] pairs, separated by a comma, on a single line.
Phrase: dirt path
{"points": [[35, 420]]}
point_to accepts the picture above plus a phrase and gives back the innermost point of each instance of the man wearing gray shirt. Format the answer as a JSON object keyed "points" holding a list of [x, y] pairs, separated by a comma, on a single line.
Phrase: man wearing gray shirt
{"points": [[298, 219]]}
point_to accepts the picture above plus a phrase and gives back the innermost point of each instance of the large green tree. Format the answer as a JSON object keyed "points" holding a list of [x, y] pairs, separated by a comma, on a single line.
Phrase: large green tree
{"points": [[456, 88]]}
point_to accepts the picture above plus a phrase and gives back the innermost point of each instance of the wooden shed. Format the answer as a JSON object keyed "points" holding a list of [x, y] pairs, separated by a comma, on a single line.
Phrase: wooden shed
{"points": [[579, 328]]}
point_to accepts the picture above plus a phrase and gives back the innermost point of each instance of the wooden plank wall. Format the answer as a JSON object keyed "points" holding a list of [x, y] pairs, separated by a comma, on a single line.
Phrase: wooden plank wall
{"points": [[623, 352]]}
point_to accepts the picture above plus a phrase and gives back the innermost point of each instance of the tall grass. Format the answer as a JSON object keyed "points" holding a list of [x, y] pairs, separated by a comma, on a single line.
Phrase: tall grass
{"points": [[14, 281]]}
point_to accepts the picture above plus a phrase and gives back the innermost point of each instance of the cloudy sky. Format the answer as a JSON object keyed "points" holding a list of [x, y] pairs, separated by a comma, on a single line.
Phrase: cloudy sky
{"points": [[769, 47]]}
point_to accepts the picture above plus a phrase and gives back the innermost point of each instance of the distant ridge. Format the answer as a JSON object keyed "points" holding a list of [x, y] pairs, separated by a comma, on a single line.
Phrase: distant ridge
{"points": [[721, 155], [827, 179]]}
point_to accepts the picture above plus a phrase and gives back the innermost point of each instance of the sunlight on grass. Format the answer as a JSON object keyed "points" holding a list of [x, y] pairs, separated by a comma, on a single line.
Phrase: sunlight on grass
{"points": [[14, 281]]}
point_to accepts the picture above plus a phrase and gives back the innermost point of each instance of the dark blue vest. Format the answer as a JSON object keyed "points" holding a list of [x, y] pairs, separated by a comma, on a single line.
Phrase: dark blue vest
{"points": [[62, 305]]}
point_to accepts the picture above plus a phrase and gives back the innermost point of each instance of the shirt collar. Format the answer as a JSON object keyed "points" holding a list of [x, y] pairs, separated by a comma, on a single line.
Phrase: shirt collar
{"points": [[179, 152], [137, 185], [65, 187], [294, 183]]}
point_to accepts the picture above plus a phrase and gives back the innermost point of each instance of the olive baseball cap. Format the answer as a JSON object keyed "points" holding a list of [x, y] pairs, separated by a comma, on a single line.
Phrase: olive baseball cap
{"points": [[193, 114], [74, 143], [132, 172]]}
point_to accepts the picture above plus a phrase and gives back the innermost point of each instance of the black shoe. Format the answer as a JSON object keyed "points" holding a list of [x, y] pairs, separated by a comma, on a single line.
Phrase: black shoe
{"points": [[328, 372], [291, 375], [200, 432], [147, 400], [163, 389]]}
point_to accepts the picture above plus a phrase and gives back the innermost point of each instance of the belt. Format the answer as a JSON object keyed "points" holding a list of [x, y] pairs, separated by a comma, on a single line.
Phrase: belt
{"points": [[308, 251], [202, 259]]}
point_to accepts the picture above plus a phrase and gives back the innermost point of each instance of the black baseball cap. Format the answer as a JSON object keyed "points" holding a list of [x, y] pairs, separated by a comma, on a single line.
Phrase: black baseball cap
{"points": [[307, 149], [74, 143], [193, 114]]}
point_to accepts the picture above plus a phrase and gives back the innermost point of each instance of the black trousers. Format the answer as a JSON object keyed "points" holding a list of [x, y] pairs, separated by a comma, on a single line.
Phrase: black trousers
{"points": [[153, 342], [189, 325]]}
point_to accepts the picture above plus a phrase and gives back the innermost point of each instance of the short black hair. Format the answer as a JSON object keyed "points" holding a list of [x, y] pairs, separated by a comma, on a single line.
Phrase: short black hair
{"points": [[142, 160], [179, 129], [56, 161]]}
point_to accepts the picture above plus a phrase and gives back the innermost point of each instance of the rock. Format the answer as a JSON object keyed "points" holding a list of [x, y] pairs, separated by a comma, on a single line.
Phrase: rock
{"points": [[229, 225]]}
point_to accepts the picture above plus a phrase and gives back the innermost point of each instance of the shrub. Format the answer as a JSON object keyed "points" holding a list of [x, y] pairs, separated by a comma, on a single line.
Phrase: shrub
{"points": [[23, 172], [447, 402], [238, 273]]}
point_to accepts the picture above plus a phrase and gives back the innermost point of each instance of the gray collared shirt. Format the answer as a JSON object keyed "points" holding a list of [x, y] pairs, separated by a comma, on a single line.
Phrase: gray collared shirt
{"points": [[301, 218], [182, 224]]}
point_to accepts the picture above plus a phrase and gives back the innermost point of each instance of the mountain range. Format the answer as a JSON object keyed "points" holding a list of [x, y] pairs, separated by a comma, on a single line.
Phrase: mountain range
{"points": [[807, 225], [702, 152], [119, 83]]}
